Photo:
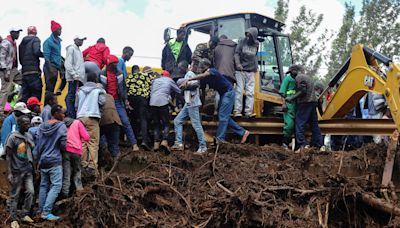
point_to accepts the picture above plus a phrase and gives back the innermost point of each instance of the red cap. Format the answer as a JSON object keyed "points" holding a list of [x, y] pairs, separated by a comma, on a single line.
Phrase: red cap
{"points": [[33, 101], [55, 26], [165, 73], [112, 59], [32, 29]]}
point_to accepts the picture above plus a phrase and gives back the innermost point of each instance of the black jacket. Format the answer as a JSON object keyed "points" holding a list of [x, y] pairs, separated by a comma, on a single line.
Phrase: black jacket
{"points": [[169, 63], [29, 54]]}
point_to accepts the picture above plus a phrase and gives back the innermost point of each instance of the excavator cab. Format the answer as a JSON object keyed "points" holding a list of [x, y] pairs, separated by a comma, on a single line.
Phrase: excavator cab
{"points": [[274, 55]]}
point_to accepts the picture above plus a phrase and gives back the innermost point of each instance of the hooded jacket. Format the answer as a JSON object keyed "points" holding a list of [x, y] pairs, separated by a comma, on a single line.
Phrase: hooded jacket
{"points": [[74, 67], [52, 51], [245, 54], [88, 96], [52, 139], [170, 64], [9, 126], [29, 54], [8, 53], [224, 58], [122, 94], [110, 114], [97, 53], [76, 133]]}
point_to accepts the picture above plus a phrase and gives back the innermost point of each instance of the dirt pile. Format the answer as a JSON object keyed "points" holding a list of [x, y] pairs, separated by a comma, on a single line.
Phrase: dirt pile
{"points": [[246, 186]]}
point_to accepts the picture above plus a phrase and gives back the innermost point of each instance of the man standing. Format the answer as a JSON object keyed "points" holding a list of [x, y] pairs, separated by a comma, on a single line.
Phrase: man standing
{"points": [[114, 82], [91, 97], [175, 51], [52, 56], [20, 169], [139, 87], [306, 109], [224, 58], [246, 68], [74, 73], [9, 65], [288, 88], [190, 110], [96, 56], [127, 53], [29, 57], [52, 138], [203, 50], [225, 90]]}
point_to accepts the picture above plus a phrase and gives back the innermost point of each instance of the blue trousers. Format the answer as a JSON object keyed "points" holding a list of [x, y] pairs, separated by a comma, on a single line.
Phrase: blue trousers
{"points": [[225, 107], [194, 114], [125, 122], [70, 98], [50, 187], [306, 113]]}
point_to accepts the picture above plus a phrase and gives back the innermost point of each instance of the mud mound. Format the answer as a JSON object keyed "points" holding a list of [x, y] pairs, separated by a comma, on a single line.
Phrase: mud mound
{"points": [[236, 186]]}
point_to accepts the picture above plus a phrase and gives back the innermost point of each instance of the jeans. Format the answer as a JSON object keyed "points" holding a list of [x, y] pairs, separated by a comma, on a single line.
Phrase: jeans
{"points": [[125, 121], [225, 107], [90, 153], [7, 87], [110, 133], [161, 122], [194, 114], [307, 113], [91, 67], [70, 98], [51, 77], [141, 112], [244, 81], [21, 180], [50, 187], [71, 166], [31, 87]]}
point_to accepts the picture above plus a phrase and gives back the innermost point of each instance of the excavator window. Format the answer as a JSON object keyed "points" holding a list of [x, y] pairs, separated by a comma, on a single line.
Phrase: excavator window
{"points": [[268, 65], [233, 28], [285, 52]]}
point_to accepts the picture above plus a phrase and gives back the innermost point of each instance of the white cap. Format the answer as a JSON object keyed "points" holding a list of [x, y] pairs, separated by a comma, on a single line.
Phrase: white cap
{"points": [[14, 29], [21, 106], [36, 120], [79, 37]]}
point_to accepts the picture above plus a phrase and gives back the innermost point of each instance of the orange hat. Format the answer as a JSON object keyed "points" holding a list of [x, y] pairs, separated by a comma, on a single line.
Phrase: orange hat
{"points": [[165, 73], [55, 26], [112, 59]]}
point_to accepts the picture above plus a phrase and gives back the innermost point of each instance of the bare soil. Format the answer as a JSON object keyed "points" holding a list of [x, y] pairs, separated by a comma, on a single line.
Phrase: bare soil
{"points": [[231, 186]]}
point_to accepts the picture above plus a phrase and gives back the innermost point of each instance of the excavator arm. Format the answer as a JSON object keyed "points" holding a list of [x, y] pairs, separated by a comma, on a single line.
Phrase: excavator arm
{"points": [[362, 74]]}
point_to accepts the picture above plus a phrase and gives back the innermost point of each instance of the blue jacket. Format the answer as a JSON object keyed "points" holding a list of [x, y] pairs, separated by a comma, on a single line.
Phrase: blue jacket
{"points": [[52, 138], [122, 94], [90, 98], [46, 113], [122, 67], [9, 125], [161, 90], [52, 51]]}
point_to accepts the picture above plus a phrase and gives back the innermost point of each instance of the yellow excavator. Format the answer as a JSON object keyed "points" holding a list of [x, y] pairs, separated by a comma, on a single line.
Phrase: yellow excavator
{"points": [[365, 71]]}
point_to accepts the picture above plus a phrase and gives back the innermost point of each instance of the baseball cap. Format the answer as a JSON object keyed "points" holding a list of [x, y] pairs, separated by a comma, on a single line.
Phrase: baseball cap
{"points": [[79, 37], [32, 29], [14, 29], [21, 106], [36, 120], [33, 101]]}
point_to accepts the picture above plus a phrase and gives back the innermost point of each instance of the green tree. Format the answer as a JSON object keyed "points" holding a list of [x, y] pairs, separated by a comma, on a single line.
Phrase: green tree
{"points": [[306, 50], [342, 44], [282, 10], [379, 26]]}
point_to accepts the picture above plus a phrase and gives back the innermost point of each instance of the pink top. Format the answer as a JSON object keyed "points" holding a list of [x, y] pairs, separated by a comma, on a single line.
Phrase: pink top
{"points": [[75, 134]]}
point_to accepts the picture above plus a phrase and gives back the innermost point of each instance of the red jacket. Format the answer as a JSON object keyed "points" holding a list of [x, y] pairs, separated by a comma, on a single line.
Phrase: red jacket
{"points": [[97, 53]]}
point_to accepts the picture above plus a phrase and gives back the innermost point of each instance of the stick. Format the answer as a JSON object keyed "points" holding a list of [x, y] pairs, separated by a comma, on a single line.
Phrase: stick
{"points": [[225, 189], [119, 182], [379, 204], [204, 224], [215, 157], [341, 163]]}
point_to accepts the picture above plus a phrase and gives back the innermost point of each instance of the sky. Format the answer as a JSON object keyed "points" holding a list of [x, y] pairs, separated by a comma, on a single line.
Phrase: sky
{"points": [[140, 23]]}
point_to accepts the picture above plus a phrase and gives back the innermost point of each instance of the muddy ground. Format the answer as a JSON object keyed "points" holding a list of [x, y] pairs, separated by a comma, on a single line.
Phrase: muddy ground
{"points": [[237, 186]]}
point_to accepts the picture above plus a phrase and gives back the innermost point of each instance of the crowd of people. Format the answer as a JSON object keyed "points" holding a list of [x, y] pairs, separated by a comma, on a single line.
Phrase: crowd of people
{"points": [[104, 101]]}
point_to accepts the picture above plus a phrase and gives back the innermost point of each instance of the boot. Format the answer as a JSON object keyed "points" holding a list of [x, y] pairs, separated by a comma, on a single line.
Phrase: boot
{"points": [[135, 148], [164, 147], [156, 146]]}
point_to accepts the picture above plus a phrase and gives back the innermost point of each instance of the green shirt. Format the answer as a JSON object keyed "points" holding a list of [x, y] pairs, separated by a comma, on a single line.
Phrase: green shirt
{"points": [[175, 47], [288, 86]]}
